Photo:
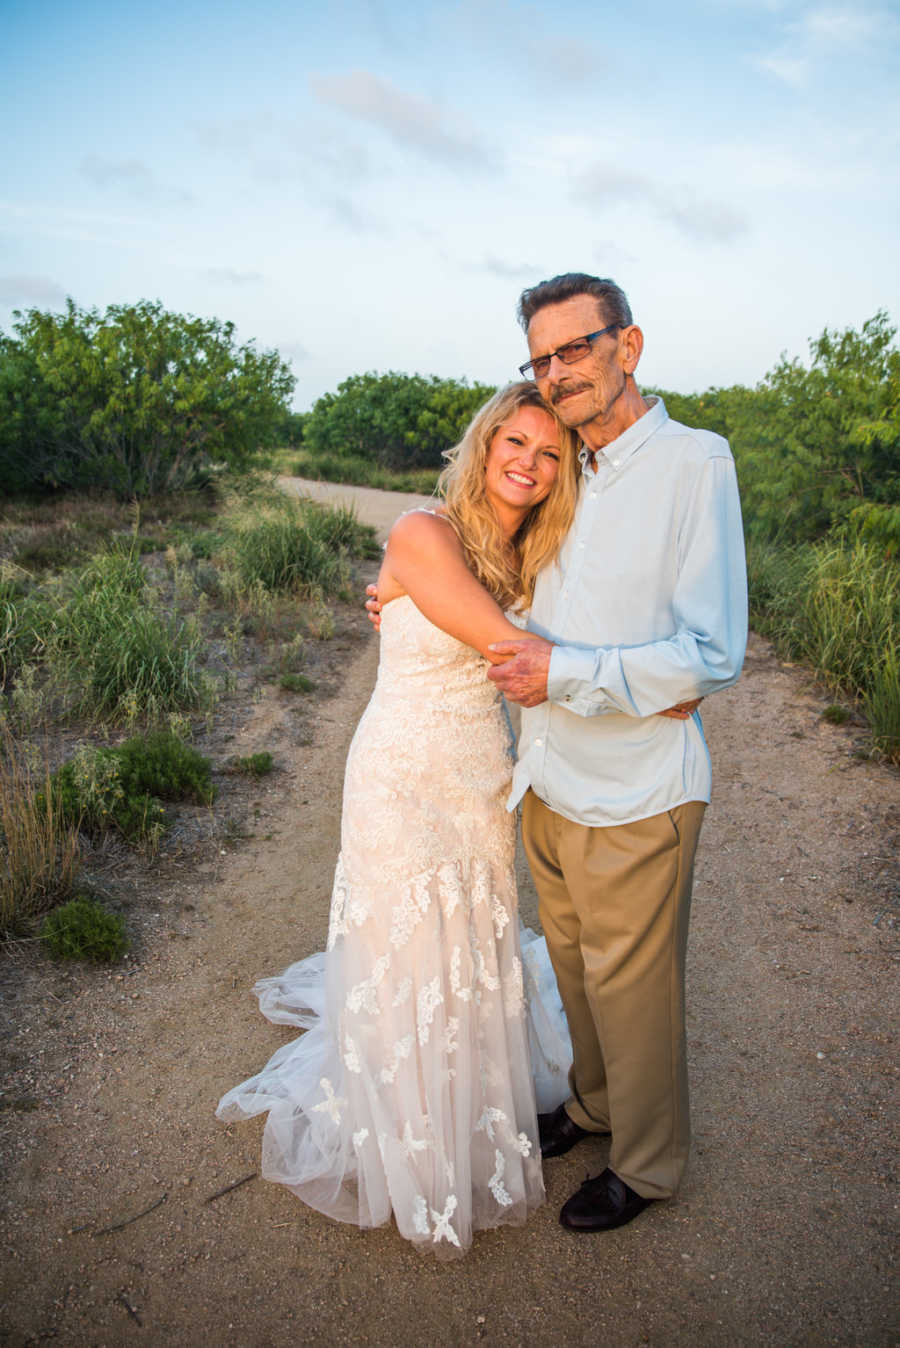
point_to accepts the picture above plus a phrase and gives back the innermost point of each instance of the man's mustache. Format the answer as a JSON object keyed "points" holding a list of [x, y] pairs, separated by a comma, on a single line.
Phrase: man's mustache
{"points": [[563, 390]]}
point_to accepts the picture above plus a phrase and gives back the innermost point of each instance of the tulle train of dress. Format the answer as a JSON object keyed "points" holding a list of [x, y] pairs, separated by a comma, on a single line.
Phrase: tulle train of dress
{"points": [[430, 1020]]}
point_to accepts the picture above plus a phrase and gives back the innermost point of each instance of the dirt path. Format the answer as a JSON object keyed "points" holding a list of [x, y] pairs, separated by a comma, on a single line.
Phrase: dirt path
{"points": [[782, 1235]]}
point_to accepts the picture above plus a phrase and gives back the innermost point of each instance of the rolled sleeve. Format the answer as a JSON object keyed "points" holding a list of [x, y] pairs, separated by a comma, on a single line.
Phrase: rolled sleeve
{"points": [[575, 681]]}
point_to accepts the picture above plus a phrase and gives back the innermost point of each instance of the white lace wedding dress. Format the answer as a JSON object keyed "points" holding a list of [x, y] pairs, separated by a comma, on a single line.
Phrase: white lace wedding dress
{"points": [[412, 1090]]}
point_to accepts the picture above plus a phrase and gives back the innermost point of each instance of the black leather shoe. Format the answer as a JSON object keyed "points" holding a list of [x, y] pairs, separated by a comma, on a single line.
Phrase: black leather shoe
{"points": [[602, 1204], [559, 1133]]}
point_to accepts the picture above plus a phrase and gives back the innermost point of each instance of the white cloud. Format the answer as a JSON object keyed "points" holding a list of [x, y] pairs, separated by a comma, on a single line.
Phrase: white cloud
{"points": [[54, 220], [819, 35], [233, 277], [840, 26], [347, 213], [278, 150], [507, 271], [292, 351], [133, 176], [698, 219], [565, 59], [413, 123], [791, 70], [30, 290]]}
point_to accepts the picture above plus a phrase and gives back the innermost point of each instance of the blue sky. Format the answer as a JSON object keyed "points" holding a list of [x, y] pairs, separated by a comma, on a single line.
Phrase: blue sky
{"points": [[368, 184]]}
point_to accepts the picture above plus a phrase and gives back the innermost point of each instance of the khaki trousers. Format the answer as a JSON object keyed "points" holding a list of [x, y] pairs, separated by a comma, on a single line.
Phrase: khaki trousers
{"points": [[614, 905]]}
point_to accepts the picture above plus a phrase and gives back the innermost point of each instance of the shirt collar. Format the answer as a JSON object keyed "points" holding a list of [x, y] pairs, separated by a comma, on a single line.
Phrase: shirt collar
{"points": [[630, 441]]}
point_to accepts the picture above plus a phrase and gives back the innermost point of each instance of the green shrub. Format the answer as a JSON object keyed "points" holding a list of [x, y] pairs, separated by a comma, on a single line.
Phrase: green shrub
{"points": [[836, 715], [204, 544], [138, 400], [162, 765], [89, 789], [395, 420], [122, 787], [296, 683], [83, 929], [254, 765]]}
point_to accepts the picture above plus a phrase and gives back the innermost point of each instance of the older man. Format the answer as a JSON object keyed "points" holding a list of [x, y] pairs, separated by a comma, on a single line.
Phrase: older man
{"points": [[647, 607]]}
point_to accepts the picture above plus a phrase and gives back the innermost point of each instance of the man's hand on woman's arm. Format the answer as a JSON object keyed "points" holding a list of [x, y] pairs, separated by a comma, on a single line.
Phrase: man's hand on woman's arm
{"points": [[523, 676]]}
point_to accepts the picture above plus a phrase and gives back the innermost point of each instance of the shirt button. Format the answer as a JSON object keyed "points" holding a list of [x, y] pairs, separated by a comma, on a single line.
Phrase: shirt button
{"points": [[539, 742]]}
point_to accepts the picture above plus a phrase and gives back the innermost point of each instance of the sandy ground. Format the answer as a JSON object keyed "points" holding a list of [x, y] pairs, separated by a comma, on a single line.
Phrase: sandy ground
{"points": [[783, 1233]]}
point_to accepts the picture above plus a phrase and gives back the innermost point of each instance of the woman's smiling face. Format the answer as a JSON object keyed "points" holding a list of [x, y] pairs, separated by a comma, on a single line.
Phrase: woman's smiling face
{"points": [[522, 463]]}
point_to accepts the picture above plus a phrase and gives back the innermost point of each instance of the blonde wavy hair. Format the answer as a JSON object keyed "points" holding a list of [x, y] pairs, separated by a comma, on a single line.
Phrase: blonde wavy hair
{"points": [[507, 571]]}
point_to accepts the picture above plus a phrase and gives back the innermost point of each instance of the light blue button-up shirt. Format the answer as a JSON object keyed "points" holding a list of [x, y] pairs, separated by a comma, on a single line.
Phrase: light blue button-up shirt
{"points": [[647, 606]]}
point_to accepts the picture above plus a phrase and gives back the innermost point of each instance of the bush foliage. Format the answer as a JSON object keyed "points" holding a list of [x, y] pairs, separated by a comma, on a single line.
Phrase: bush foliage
{"points": [[816, 448], [83, 929], [122, 787], [393, 421], [137, 400]]}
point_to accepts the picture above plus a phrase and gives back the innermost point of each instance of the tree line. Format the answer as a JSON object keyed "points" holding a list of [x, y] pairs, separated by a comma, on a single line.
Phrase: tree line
{"points": [[141, 400]]}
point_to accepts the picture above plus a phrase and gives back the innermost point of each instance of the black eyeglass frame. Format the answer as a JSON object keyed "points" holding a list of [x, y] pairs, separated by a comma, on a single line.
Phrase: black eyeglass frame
{"points": [[527, 371]]}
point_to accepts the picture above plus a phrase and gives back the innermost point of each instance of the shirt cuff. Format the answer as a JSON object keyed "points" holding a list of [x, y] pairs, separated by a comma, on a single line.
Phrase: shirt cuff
{"points": [[571, 680]]}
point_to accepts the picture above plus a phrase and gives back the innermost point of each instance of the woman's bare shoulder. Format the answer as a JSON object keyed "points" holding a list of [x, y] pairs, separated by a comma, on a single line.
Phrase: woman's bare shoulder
{"points": [[422, 528]]}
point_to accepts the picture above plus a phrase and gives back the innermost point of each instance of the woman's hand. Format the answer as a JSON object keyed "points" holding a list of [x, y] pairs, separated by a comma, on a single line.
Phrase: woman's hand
{"points": [[373, 608], [682, 710]]}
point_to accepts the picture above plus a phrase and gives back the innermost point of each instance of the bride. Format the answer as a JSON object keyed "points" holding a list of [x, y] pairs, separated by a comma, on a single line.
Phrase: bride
{"points": [[411, 1091]]}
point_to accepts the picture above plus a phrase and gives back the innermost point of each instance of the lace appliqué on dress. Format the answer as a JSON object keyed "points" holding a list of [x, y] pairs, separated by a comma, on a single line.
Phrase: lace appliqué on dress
{"points": [[415, 1069]]}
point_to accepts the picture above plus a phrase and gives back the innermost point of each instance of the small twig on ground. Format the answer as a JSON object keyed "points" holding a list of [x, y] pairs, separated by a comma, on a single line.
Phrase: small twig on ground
{"points": [[228, 1187], [123, 1301], [117, 1226]]}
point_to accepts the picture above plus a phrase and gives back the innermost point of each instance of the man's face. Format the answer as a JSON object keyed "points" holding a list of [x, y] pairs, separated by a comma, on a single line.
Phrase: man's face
{"points": [[588, 389]]}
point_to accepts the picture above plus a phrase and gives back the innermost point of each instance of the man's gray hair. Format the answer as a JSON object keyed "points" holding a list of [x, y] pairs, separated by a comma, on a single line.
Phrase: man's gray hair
{"points": [[612, 300]]}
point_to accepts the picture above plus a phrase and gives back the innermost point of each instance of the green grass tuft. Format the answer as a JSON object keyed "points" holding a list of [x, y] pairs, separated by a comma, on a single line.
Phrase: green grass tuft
{"points": [[296, 683], [299, 546], [83, 929], [120, 657], [835, 605], [255, 765]]}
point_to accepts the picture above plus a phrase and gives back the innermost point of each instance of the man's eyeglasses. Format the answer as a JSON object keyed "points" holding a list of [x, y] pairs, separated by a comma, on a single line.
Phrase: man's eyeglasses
{"points": [[568, 354]]}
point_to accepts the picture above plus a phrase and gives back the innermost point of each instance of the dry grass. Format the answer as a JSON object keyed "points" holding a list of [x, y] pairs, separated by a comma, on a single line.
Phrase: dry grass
{"points": [[39, 851]]}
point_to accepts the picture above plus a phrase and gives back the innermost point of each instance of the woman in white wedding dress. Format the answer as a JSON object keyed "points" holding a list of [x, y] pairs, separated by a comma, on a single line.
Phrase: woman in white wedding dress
{"points": [[412, 1091]]}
